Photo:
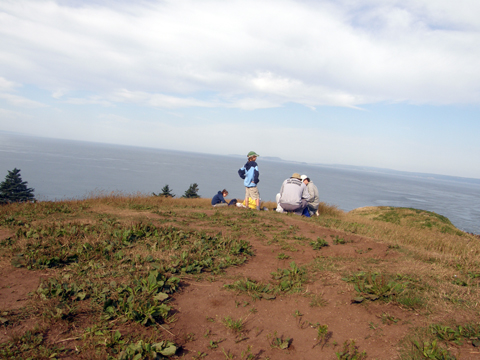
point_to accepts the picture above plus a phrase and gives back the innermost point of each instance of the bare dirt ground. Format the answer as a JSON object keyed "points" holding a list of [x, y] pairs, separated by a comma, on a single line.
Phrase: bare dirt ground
{"points": [[203, 304]]}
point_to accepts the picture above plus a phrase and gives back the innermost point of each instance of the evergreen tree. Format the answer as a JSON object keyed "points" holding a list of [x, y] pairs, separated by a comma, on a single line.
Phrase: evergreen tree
{"points": [[191, 192], [13, 189], [166, 192]]}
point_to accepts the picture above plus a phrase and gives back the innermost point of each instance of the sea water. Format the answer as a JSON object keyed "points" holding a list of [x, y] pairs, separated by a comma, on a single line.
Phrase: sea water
{"points": [[64, 169]]}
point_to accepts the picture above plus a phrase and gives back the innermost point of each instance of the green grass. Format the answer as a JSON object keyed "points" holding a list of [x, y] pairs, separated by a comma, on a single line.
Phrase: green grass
{"points": [[256, 290]]}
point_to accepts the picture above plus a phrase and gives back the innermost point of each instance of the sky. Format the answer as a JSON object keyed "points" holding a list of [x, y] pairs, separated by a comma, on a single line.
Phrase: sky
{"points": [[378, 83]]}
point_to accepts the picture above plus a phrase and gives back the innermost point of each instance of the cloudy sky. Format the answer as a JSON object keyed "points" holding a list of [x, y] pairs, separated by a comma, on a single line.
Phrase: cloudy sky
{"points": [[382, 83]]}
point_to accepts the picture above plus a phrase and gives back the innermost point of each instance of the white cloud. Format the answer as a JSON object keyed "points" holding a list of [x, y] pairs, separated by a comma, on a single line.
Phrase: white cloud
{"points": [[157, 100], [6, 85], [92, 100], [57, 94], [21, 101], [246, 54]]}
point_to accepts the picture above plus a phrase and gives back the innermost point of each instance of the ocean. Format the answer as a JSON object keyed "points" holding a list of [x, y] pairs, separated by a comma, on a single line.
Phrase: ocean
{"points": [[65, 169]]}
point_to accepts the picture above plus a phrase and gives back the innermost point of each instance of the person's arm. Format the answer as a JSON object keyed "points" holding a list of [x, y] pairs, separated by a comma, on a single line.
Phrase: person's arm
{"points": [[315, 194], [241, 172], [281, 192], [256, 175], [305, 194], [311, 192]]}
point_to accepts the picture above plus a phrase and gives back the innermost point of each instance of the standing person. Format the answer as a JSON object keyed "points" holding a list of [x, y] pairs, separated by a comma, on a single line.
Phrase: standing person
{"points": [[294, 195], [219, 198], [250, 175], [314, 200]]}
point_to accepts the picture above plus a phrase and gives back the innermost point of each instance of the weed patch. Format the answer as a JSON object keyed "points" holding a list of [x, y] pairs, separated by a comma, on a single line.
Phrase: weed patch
{"points": [[319, 243], [279, 342], [31, 345], [350, 352], [291, 279], [374, 286], [253, 288]]}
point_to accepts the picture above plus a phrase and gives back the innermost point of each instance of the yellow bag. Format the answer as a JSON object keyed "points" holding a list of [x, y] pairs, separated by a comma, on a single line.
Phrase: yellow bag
{"points": [[251, 203]]}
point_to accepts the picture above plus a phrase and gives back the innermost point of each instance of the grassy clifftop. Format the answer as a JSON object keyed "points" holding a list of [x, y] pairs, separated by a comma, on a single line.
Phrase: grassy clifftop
{"points": [[126, 277]]}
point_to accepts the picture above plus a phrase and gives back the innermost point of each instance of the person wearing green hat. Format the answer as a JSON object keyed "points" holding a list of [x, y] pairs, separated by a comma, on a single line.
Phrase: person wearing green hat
{"points": [[250, 175]]}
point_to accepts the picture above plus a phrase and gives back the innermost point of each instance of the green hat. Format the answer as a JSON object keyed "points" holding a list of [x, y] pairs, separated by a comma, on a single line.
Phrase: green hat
{"points": [[252, 153]]}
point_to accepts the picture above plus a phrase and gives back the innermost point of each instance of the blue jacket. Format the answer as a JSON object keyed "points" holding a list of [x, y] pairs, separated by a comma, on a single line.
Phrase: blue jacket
{"points": [[218, 198], [249, 172]]}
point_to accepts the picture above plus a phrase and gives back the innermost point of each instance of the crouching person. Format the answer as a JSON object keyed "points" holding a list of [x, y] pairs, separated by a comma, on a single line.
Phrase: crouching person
{"points": [[294, 195], [219, 199], [314, 201]]}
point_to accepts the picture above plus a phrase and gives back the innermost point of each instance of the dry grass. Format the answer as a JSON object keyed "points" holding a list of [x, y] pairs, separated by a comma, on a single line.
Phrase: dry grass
{"points": [[426, 244]]}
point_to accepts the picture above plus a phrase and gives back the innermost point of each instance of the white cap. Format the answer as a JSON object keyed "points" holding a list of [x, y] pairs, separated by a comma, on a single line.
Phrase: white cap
{"points": [[303, 177]]}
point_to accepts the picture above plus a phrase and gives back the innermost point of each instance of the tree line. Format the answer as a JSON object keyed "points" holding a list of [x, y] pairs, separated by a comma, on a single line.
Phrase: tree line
{"points": [[14, 189], [190, 193]]}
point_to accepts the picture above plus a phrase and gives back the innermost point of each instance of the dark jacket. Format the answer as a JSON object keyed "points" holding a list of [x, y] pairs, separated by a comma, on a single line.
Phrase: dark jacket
{"points": [[217, 199], [249, 173]]}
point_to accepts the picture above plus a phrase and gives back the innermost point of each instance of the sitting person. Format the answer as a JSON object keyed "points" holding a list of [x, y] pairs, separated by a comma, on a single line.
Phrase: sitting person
{"points": [[314, 200], [219, 198], [294, 195]]}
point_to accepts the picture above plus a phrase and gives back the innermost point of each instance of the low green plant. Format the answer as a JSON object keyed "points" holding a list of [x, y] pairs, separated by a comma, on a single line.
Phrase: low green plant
{"points": [[188, 337], [227, 354], [291, 279], [143, 350], [297, 313], [283, 256], [214, 343], [253, 288], [319, 243], [199, 355], [457, 333], [279, 342], [247, 354], [388, 319], [350, 352], [374, 286], [235, 325], [33, 345], [337, 240], [322, 334], [318, 300], [431, 350], [410, 301]]}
